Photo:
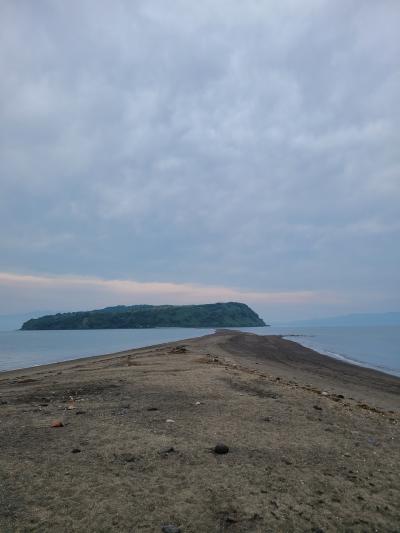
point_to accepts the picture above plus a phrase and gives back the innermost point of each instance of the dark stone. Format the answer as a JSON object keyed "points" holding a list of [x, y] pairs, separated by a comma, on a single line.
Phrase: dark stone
{"points": [[167, 450], [171, 528], [227, 519], [317, 530], [152, 408], [76, 450], [127, 457], [80, 412], [221, 448], [317, 407]]}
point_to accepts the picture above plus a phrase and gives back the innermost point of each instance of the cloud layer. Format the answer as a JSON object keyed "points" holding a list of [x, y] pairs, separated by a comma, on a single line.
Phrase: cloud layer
{"points": [[225, 144], [88, 292]]}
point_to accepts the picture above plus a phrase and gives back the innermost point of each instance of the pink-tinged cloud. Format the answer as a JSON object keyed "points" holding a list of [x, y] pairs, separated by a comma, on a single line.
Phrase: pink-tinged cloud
{"points": [[20, 292]]}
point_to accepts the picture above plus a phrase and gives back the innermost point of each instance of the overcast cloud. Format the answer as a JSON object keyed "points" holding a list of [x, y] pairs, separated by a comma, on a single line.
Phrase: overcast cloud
{"points": [[250, 147]]}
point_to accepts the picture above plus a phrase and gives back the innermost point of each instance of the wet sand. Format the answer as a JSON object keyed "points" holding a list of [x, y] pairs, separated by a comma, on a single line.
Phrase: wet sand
{"points": [[313, 441]]}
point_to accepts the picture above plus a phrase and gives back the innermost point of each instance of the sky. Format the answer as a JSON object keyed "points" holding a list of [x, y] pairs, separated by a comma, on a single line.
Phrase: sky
{"points": [[193, 152]]}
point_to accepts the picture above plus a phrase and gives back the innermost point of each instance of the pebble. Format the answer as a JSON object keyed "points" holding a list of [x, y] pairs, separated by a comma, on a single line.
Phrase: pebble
{"points": [[318, 407], [197, 403], [171, 528], [221, 449], [168, 449], [165, 451], [75, 450], [324, 393], [57, 424], [170, 421], [127, 457], [80, 412]]}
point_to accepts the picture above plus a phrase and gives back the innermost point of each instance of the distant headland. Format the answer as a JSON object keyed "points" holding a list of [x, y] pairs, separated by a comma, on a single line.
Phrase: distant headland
{"points": [[218, 315]]}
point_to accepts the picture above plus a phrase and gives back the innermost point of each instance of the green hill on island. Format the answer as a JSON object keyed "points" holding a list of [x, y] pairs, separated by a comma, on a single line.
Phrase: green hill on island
{"points": [[219, 315]]}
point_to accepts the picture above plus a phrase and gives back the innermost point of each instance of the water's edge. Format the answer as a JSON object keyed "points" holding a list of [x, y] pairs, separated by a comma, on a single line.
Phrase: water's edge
{"points": [[344, 358], [298, 338]]}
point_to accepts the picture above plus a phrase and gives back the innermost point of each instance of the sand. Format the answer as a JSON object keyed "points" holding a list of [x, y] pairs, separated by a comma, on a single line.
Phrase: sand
{"points": [[313, 442]]}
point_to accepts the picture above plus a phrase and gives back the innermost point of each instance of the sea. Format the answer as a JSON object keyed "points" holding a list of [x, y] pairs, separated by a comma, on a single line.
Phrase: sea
{"points": [[375, 347]]}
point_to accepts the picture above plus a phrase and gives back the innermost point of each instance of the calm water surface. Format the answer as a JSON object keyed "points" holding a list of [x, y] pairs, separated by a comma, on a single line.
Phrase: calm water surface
{"points": [[21, 349], [377, 347]]}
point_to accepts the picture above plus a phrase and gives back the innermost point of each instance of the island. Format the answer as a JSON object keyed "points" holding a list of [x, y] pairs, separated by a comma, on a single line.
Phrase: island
{"points": [[218, 315]]}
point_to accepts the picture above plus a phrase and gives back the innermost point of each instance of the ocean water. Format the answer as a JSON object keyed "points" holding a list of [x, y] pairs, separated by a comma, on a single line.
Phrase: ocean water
{"points": [[22, 349], [375, 347]]}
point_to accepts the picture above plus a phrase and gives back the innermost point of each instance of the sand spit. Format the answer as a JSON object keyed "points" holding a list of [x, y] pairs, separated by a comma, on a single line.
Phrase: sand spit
{"points": [[231, 432]]}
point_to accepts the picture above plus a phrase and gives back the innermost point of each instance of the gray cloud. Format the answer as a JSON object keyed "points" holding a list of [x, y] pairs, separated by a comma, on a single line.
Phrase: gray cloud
{"points": [[247, 145]]}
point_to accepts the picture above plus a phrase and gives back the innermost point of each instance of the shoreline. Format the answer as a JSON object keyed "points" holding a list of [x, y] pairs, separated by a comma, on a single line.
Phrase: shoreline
{"points": [[345, 358], [312, 441], [92, 358], [304, 363], [320, 351]]}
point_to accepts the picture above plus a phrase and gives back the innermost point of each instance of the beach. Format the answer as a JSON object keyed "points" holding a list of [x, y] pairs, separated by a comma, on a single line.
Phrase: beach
{"points": [[313, 441]]}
